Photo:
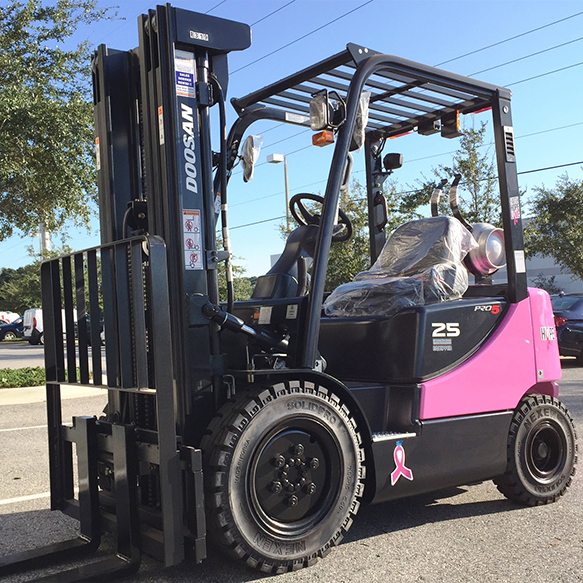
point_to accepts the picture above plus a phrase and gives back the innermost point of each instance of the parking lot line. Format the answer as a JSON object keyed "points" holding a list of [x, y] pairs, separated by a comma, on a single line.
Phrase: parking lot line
{"points": [[18, 499], [23, 428]]}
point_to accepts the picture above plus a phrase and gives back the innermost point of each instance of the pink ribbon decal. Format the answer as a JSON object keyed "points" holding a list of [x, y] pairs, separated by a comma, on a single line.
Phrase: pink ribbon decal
{"points": [[401, 469]]}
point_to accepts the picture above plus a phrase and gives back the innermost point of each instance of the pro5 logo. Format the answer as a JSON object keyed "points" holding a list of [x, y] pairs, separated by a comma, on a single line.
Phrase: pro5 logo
{"points": [[445, 329]]}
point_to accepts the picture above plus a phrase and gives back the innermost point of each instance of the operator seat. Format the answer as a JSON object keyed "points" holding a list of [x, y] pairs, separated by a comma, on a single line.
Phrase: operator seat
{"points": [[288, 276], [421, 263]]}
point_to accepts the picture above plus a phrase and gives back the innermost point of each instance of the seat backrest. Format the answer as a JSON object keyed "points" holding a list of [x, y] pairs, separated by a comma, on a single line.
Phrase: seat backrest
{"points": [[281, 281]]}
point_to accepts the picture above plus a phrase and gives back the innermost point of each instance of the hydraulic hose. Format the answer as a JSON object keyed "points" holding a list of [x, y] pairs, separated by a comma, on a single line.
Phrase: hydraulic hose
{"points": [[222, 169], [231, 322]]}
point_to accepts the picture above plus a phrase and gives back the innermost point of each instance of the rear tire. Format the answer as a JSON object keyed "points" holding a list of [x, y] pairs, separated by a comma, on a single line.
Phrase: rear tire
{"points": [[284, 475], [542, 452]]}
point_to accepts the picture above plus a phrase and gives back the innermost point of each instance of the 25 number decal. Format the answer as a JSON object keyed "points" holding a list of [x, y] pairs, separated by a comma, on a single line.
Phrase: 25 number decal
{"points": [[445, 329]]}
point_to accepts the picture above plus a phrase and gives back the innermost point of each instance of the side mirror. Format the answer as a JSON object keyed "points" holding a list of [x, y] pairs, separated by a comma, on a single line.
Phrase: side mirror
{"points": [[249, 155]]}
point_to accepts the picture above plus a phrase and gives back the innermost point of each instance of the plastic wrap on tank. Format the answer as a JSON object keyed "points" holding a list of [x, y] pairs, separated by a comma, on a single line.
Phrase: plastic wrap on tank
{"points": [[421, 263], [443, 282], [374, 297]]}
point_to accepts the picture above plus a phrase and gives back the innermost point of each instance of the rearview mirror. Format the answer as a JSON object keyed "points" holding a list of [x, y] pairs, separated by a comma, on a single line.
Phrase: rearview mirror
{"points": [[249, 155]]}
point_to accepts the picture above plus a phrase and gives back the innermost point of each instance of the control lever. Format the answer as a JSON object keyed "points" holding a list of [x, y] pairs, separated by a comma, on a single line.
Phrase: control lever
{"points": [[230, 322]]}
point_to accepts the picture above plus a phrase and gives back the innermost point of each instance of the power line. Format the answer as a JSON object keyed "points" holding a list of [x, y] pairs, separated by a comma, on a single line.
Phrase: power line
{"points": [[510, 38], [285, 139], [412, 191], [272, 13], [289, 44], [258, 222], [527, 56], [545, 74], [550, 168], [215, 6]]}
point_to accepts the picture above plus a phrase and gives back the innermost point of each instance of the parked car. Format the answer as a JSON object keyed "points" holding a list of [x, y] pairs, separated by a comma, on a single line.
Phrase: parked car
{"points": [[568, 310], [7, 317], [11, 331], [33, 326]]}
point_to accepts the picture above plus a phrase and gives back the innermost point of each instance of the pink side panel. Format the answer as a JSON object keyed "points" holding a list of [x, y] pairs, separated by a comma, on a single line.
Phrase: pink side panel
{"points": [[493, 379], [546, 348]]}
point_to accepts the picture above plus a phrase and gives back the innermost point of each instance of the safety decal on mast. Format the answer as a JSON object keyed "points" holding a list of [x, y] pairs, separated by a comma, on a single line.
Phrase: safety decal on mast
{"points": [[97, 154], [161, 125], [184, 69], [192, 240]]}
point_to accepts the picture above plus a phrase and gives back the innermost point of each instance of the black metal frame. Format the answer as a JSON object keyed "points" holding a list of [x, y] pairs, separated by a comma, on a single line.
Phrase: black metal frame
{"points": [[404, 94]]}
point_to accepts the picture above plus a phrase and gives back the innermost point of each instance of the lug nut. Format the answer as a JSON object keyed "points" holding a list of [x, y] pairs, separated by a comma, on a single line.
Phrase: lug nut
{"points": [[311, 488], [298, 462], [292, 500], [290, 487], [276, 487], [315, 463], [299, 449], [303, 481], [279, 461]]}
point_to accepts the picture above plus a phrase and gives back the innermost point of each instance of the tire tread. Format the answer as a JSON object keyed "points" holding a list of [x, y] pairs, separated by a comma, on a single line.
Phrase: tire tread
{"points": [[217, 437]]}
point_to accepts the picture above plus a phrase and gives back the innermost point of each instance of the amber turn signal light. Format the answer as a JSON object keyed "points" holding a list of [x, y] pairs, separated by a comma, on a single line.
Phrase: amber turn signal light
{"points": [[323, 138]]}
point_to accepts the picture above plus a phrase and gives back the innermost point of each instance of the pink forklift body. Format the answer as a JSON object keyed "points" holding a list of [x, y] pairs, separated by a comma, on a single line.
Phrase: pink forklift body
{"points": [[521, 356]]}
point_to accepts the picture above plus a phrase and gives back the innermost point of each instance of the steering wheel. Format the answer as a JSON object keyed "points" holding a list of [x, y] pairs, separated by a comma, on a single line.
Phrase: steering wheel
{"points": [[342, 231]]}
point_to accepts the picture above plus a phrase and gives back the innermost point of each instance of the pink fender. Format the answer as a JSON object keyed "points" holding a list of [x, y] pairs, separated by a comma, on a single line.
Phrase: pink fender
{"points": [[522, 353]]}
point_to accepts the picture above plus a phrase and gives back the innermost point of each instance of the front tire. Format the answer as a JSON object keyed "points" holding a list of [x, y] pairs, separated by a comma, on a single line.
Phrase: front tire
{"points": [[284, 475], [9, 336], [542, 452]]}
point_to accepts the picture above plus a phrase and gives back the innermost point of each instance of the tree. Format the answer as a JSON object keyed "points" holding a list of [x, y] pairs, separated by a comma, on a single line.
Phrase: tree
{"points": [[546, 283], [555, 228], [20, 288], [243, 285], [478, 198], [47, 170]]}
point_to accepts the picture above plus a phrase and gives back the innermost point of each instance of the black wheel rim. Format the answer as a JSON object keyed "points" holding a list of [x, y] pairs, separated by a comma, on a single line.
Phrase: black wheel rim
{"points": [[295, 477], [546, 451]]}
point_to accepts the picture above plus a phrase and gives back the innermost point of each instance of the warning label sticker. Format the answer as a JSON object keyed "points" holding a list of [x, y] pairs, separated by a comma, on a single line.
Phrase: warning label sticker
{"points": [[192, 240], [161, 125], [184, 71]]}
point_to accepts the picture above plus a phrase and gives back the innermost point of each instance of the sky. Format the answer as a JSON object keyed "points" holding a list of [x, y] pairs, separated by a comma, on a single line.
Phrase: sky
{"points": [[288, 35]]}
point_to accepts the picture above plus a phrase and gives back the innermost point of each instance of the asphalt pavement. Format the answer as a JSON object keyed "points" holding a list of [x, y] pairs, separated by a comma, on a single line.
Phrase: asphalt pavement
{"points": [[467, 534], [21, 354]]}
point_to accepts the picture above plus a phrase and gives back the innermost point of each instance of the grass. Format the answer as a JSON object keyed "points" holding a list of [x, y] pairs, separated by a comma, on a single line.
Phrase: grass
{"points": [[11, 378]]}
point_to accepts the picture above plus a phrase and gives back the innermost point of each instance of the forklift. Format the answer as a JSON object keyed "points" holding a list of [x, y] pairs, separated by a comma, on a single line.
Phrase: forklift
{"points": [[264, 424]]}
